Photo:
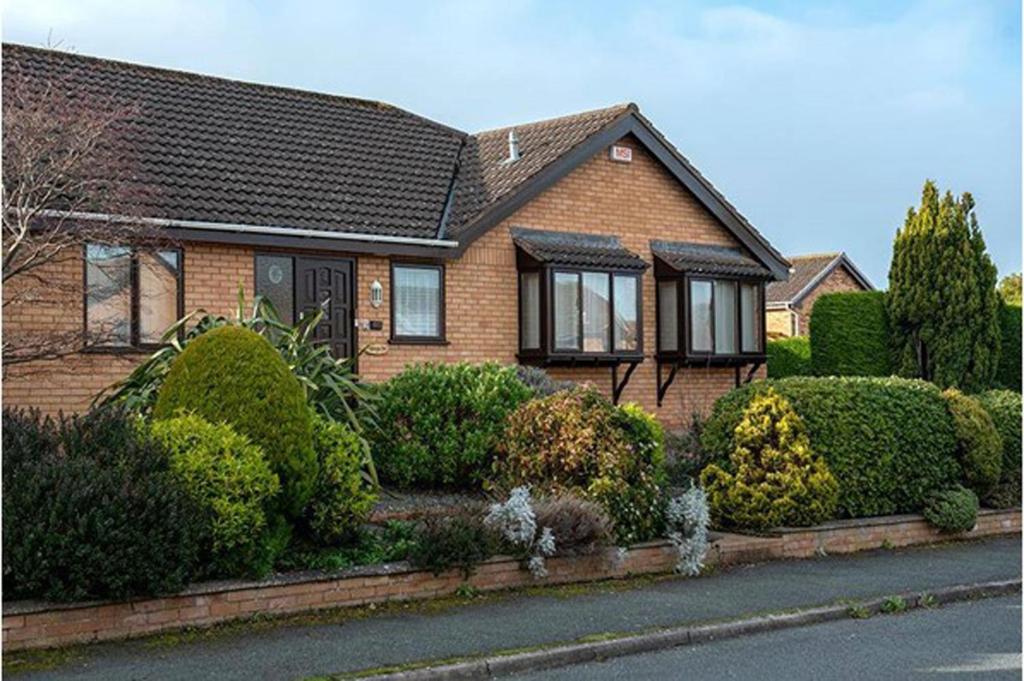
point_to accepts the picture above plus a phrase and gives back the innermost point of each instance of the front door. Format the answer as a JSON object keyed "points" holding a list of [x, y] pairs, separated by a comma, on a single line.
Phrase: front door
{"points": [[326, 284]]}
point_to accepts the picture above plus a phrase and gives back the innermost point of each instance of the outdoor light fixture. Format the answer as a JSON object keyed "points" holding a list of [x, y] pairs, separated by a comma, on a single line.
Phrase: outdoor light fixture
{"points": [[376, 293]]}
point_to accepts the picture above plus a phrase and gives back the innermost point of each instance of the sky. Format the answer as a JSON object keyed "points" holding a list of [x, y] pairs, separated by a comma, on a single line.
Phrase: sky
{"points": [[819, 120]]}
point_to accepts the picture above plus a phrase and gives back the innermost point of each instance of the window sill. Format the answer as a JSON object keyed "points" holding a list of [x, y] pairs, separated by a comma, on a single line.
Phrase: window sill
{"points": [[710, 360], [579, 359], [120, 350]]}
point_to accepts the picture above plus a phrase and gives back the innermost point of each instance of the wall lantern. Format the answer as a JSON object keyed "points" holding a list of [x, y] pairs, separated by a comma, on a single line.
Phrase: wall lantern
{"points": [[376, 293]]}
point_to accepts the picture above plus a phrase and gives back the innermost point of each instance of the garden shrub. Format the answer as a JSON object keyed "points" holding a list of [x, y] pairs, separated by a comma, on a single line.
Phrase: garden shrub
{"points": [[577, 442], [1008, 373], [979, 446], [775, 479], [439, 424], [645, 436], [233, 375], [687, 518], [1004, 406], [952, 510], [92, 509], [888, 441], [343, 497], [789, 357], [515, 523], [849, 335], [231, 480], [540, 381], [685, 456], [460, 540], [579, 526]]}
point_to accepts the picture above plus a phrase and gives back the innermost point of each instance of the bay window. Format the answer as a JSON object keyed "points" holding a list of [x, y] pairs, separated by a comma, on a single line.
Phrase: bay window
{"points": [[716, 317]]}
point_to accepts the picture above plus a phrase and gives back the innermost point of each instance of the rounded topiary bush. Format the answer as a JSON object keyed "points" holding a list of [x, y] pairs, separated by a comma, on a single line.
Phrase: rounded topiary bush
{"points": [[439, 424], [978, 443], [92, 509], [888, 441], [232, 481], [233, 375], [775, 479], [577, 442], [1004, 406], [343, 497], [952, 510]]}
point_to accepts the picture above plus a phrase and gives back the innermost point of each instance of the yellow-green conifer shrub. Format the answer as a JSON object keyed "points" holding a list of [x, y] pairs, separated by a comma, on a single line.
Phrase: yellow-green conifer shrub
{"points": [[775, 479]]}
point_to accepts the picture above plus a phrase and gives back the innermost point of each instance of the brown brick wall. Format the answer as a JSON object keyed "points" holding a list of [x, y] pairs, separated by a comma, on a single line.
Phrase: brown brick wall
{"points": [[32, 625], [637, 202], [838, 280]]}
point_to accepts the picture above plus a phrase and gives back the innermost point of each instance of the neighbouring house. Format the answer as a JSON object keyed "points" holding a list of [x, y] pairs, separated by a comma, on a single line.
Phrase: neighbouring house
{"points": [[585, 244], [790, 301]]}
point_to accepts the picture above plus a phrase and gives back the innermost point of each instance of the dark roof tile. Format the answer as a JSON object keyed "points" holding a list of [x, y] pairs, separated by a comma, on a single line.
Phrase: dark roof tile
{"points": [[576, 250], [707, 259]]}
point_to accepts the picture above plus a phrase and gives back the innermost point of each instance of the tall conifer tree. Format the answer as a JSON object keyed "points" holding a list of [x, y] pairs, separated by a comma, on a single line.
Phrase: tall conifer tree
{"points": [[943, 305]]}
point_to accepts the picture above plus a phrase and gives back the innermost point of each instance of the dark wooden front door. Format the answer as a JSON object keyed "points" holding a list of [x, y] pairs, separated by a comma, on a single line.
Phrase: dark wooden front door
{"points": [[326, 284]]}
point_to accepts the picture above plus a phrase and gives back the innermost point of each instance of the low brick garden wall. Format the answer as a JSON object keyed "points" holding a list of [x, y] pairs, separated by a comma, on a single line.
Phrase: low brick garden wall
{"points": [[40, 625]]}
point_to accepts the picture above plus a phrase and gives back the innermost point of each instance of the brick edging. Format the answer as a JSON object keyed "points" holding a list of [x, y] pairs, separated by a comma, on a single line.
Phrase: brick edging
{"points": [[34, 624]]}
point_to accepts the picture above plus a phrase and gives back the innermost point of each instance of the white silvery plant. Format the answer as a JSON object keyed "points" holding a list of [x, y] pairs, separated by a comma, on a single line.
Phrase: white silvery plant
{"points": [[515, 520], [688, 519]]}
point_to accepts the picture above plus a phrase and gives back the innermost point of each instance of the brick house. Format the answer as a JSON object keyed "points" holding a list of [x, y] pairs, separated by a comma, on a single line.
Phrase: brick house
{"points": [[585, 244], [790, 302]]}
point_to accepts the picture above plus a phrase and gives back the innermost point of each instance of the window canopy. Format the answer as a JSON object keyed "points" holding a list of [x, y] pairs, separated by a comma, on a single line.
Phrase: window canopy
{"points": [[587, 251], [679, 257]]}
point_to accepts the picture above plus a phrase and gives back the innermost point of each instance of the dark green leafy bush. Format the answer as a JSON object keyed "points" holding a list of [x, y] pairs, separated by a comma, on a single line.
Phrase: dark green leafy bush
{"points": [[952, 510], [1008, 373], [439, 424], [789, 357], [460, 540], [888, 441], [370, 545], [231, 480], [91, 509], [979, 446], [577, 442], [1004, 406], [344, 496], [233, 375], [850, 335]]}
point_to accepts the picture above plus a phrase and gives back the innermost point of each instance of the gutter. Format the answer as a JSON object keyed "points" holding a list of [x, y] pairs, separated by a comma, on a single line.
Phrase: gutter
{"points": [[275, 230]]}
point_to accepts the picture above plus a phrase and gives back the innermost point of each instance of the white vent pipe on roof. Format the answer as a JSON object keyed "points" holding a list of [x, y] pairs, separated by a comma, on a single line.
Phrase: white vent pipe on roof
{"points": [[513, 147]]}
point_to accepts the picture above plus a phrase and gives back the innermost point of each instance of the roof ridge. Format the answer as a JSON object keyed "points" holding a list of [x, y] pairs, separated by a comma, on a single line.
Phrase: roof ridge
{"points": [[622, 107], [823, 254], [197, 76]]}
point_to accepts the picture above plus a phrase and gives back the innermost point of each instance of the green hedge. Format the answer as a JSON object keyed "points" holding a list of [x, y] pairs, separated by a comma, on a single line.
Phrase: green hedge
{"points": [[850, 335], [1008, 372], [888, 441], [1004, 406], [789, 357]]}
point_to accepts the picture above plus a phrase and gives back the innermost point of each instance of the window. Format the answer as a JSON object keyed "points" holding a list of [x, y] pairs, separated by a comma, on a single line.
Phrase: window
{"points": [[529, 311], [627, 331], [720, 317], [596, 312], [701, 316], [132, 295], [417, 303], [567, 311], [275, 281], [668, 316], [750, 317]]}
